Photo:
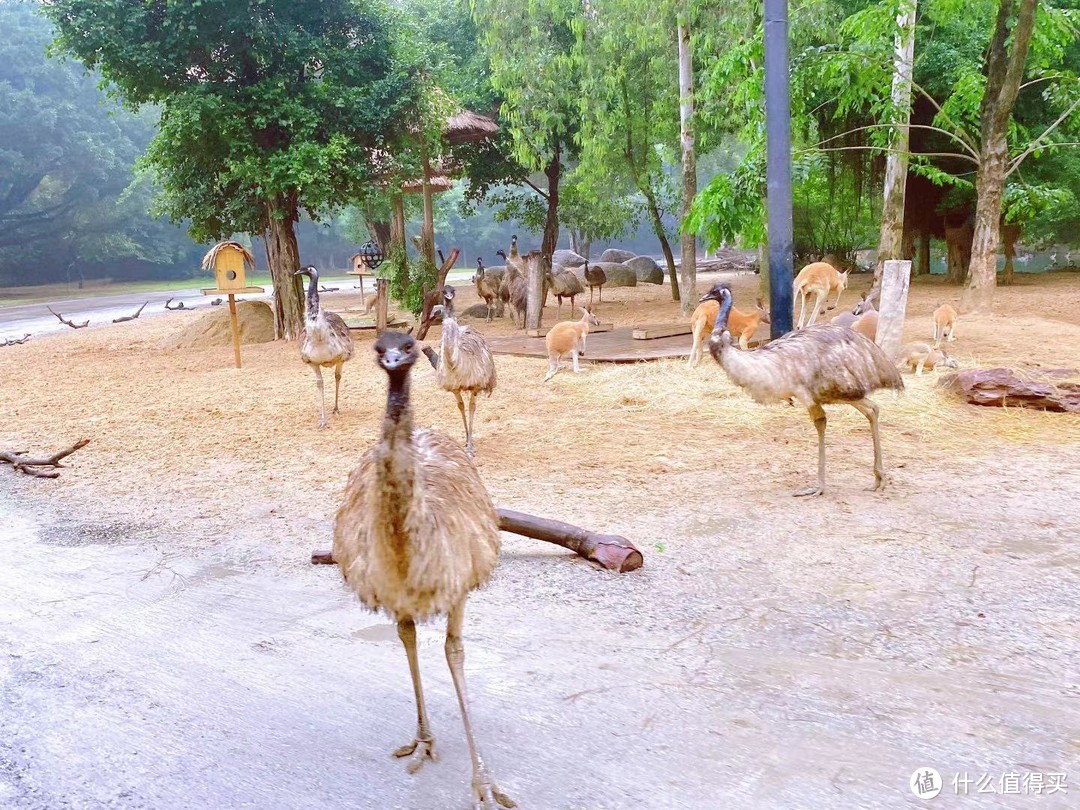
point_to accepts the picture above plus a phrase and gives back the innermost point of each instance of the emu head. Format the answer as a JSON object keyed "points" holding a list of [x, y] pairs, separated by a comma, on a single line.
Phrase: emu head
{"points": [[310, 271], [513, 242], [501, 252], [395, 352], [721, 293]]}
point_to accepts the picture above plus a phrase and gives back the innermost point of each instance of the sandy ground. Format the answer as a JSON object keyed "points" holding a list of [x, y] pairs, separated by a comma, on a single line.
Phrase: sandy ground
{"points": [[774, 652]]}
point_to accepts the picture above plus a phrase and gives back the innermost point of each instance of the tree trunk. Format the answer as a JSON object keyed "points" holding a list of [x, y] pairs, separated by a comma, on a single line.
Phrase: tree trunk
{"points": [[1004, 72], [551, 223], [923, 266], [890, 245], [284, 258], [957, 252], [380, 232], [534, 279], [427, 230], [658, 228], [1010, 233], [763, 270], [688, 242]]}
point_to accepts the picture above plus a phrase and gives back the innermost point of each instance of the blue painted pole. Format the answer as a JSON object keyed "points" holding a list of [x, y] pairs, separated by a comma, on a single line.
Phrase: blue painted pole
{"points": [[778, 165]]}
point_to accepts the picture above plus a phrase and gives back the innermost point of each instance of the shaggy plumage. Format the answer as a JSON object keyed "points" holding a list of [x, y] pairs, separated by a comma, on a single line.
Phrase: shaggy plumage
{"points": [[489, 284], [596, 278], [416, 533], [564, 284], [324, 341], [463, 364], [816, 366]]}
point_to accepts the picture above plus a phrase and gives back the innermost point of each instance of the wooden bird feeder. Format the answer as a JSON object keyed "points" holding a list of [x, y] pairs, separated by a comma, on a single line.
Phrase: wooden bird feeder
{"points": [[230, 262]]}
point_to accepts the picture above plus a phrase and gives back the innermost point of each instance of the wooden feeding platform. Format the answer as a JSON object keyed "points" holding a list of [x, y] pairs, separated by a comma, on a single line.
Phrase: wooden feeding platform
{"points": [[362, 324], [616, 346], [653, 331]]}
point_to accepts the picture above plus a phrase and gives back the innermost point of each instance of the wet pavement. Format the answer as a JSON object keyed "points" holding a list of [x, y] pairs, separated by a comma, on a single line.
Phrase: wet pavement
{"points": [[137, 673]]}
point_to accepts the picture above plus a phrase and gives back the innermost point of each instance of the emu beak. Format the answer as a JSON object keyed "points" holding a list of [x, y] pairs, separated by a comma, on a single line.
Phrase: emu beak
{"points": [[393, 358]]}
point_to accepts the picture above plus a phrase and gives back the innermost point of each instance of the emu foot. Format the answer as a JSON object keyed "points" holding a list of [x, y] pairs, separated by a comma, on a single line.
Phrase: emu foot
{"points": [[470, 451], [418, 751], [336, 411], [323, 423], [879, 482], [815, 490], [487, 796]]}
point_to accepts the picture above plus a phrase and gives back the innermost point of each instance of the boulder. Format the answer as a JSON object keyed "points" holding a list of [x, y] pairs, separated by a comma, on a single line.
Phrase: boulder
{"points": [[618, 275], [616, 255], [1004, 387], [567, 258], [647, 270], [255, 318], [476, 311]]}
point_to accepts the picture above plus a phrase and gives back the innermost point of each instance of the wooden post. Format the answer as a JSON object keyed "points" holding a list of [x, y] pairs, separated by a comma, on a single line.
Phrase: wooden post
{"points": [[235, 329], [895, 279], [382, 302], [535, 265]]}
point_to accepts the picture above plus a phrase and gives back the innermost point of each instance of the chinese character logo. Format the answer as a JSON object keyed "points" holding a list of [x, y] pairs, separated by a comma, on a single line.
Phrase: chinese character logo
{"points": [[925, 783]]}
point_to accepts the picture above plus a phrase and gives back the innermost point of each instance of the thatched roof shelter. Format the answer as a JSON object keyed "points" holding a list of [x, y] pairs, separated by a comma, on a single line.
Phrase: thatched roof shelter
{"points": [[469, 127]]}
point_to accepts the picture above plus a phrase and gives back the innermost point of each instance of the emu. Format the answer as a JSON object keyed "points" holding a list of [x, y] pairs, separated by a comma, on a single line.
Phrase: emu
{"points": [[463, 363], [416, 533], [563, 284], [596, 278], [818, 365], [324, 342]]}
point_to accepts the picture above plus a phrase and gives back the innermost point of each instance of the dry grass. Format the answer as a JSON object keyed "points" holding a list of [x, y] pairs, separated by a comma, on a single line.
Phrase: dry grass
{"points": [[180, 438]]}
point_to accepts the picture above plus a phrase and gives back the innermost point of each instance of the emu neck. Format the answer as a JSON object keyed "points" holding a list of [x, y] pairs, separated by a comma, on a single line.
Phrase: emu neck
{"points": [[720, 340], [395, 464], [313, 297]]}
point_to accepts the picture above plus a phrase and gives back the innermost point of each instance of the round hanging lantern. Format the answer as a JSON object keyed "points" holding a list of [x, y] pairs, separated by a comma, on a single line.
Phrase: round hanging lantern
{"points": [[371, 255]]}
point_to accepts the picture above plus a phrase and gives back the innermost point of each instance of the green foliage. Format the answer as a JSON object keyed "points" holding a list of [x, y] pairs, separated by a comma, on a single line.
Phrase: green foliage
{"points": [[69, 203], [263, 103]]}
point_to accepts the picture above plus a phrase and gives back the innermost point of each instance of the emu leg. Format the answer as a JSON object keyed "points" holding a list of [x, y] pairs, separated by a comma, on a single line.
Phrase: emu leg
{"points": [[464, 421], [322, 397], [468, 431], [422, 748], [485, 792], [817, 413], [869, 409], [337, 386]]}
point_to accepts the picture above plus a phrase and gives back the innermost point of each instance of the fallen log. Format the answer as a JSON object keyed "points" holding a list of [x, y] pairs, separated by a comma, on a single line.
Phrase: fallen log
{"points": [[177, 308], [609, 551], [1004, 387], [138, 312], [17, 459], [67, 321], [16, 341]]}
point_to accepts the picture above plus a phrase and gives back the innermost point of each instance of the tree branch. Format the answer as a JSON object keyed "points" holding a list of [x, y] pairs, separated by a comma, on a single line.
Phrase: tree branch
{"points": [[883, 149], [68, 322], [536, 188], [1015, 163], [27, 465], [15, 341], [974, 156], [138, 312]]}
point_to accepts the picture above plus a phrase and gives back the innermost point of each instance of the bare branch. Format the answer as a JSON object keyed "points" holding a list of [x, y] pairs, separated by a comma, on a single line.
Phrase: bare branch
{"points": [[974, 156], [68, 322], [29, 466], [536, 188], [880, 149], [1015, 163], [15, 341], [138, 312]]}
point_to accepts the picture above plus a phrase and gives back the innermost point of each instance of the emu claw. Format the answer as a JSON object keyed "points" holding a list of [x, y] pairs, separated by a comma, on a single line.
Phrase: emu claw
{"points": [[489, 797], [418, 751], [801, 493]]}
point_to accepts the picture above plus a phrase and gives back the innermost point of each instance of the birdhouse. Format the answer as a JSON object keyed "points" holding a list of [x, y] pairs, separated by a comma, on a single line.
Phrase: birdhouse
{"points": [[229, 261]]}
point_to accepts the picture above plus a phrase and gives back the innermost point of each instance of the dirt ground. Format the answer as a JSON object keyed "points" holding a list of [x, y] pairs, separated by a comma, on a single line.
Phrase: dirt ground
{"points": [[780, 652]]}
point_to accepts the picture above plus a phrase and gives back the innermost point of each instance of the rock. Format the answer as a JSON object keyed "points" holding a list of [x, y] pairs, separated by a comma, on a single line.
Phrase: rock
{"points": [[618, 275], [567, 258], [476, 311], [647, 270], [1004, 387], [616, 255], [255, 318]]}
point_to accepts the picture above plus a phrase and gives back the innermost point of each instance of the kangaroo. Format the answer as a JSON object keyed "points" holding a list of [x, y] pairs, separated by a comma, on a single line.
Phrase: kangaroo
{"points": [[945, 318], [917, 356], [743, 324], [819, 279], [568, 336], [865, 305]]}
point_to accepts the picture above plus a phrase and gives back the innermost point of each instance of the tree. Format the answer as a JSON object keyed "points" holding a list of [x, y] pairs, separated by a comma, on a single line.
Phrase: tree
{"points": [[896, 162], [530, 46], [269, 108], [687, 268], [1005, 62]]}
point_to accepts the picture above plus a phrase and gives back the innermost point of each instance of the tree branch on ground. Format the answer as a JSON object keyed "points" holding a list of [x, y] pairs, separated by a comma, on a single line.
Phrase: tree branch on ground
{"points": [[138, 312], [30, 466], [68, 322]]}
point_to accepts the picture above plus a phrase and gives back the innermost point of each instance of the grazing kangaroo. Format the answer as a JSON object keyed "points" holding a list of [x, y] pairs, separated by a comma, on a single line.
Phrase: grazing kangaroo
{"points": [[918, 356]]}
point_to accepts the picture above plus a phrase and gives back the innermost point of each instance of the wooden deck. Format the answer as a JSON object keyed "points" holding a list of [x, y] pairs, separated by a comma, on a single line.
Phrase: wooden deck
{"points": [[616, 346]]}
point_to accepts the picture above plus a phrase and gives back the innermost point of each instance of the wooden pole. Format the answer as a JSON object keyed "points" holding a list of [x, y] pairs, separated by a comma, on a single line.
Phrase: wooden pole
{"points": [[382, 302], [894, 292], [534, 303], [235, 329], [778, 166]]}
